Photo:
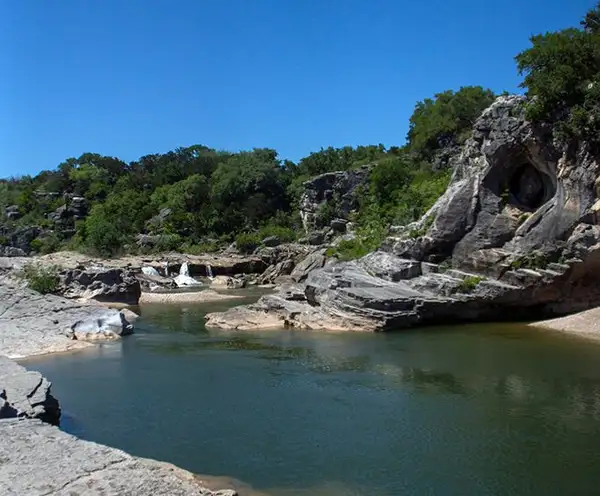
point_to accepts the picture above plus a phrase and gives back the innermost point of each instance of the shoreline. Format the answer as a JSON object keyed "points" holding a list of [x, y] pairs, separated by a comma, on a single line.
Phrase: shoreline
{"points": [[585, 324], [37, 457]]}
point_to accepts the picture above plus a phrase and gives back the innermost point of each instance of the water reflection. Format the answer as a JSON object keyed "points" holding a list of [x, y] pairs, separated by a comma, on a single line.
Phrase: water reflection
{"points": [[469, 410]]}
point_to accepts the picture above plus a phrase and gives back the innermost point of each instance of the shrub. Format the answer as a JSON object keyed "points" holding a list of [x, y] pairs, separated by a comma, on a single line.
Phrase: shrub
{"points": [[285, 234], [199, 248], [247, 242], [469, 284], [42, 279]]}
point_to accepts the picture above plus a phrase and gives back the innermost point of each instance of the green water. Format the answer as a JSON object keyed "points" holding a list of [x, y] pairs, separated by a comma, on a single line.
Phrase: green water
{"points": [[477, 410]]}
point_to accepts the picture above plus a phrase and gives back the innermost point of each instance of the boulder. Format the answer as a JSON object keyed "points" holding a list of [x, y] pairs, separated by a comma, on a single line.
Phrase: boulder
{"points": [[313, 261], [11, 251], [227, 282], [33, 324], [25, 394], [338, 225], [271, 241], [100, 284], [12, 212], [18, 237], [513, 237], [275, 273]]}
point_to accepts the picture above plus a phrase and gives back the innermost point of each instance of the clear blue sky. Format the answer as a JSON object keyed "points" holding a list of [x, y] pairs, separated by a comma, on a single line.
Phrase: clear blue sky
{"points": [[132, 77]]}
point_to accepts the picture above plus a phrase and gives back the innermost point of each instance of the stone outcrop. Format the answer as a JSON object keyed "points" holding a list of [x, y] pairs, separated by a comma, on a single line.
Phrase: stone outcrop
{"points": [[25, 394], [33, 324], [64, 217], [100, 284], [338, 189], [16, 240], [39, 459], [514, 236]]}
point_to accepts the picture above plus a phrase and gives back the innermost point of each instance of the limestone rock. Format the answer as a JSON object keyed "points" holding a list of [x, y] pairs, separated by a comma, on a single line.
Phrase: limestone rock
{"points": [[33, 324], [338, 188], [39, 459], [25, 393], [513, 237], [104, 285], [271, 241], [227, 282], [313, 261]]}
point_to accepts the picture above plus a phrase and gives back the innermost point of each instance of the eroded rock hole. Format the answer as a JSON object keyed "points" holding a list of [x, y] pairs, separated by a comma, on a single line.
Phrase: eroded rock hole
{"points": [[530, 188]]}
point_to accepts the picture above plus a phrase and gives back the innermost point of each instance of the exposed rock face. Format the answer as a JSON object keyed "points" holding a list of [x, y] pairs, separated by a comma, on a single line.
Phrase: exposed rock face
{"points": [[516, 232], [105, 285], [25, 393], [39, 459], [32, 324], [338, 188], [12, 212], [64, 217], [17, 239]]}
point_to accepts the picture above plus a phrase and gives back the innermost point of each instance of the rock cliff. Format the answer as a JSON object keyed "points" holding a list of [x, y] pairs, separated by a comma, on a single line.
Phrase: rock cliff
{"points": [[514, 236]]}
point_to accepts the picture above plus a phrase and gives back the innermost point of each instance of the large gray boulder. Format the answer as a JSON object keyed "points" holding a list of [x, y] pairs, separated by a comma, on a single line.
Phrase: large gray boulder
{"points": [[34, 324], [101, 284], [25, 393], [514, 236]]}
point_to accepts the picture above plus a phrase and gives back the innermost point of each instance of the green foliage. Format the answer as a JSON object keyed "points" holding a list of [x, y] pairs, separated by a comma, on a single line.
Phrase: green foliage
{"points": [[247, 242], [443, 120], [43, 279], [46, 244], [534, 260], [562, 74], [285, 234], [200, 248], [469, 284], [102, 236]]}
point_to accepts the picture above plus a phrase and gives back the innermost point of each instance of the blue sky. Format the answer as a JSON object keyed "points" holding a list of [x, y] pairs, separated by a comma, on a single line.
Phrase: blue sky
{"points": [[132, 77]]}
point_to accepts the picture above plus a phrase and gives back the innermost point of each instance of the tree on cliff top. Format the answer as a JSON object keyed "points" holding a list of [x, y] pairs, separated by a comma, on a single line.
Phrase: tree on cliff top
{"points": [[447, 118], [562, 72]]}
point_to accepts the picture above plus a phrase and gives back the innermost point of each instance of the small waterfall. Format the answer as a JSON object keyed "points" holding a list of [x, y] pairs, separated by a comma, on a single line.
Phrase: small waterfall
{"points": [[209, 272], [185, 270]]}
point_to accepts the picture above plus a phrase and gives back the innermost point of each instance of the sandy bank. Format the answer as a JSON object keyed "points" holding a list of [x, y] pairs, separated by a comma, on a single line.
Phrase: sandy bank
{"points": [[191, 297], [585, 324]]}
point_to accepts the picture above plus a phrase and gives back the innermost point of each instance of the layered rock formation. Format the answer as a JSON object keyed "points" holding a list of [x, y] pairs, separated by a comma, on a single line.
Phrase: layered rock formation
{"points": [[338, 190], [104, 285], [33, 324], [38, 459], [25, 394], [514, 236]]}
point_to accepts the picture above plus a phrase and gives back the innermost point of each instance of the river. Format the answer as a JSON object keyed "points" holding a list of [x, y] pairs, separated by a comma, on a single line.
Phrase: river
{"points": [[481, 409]]}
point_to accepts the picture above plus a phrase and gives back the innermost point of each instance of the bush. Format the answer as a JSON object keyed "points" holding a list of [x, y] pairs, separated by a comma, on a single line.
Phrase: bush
{"points": [[247, 242], [285, 234], [562, 73], [200, 248], [42, 279], [469, 284]]}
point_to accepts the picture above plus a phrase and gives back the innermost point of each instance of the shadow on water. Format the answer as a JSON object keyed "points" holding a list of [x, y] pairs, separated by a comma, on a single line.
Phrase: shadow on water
{"points": [[494, 409]]}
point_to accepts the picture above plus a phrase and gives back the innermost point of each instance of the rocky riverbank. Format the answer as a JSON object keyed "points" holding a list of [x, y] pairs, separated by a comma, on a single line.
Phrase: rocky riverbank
{"points": [[515, 236], [38, 458]]}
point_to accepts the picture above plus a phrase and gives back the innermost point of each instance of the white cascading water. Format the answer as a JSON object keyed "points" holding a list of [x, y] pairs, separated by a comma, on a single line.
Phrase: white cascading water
{"points": [[184, 279], [209, 272]]}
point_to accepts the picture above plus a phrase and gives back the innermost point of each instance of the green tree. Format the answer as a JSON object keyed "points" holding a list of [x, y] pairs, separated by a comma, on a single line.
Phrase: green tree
{"points": [[446, 119], [561, 75]]}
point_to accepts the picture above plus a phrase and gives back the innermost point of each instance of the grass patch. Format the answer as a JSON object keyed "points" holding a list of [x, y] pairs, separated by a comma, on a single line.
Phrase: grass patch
{"points": [[42, 279], [469, 284]]}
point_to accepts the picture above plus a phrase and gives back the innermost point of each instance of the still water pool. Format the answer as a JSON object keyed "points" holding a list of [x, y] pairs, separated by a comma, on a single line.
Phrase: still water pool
{"points": [[471, 410]]}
